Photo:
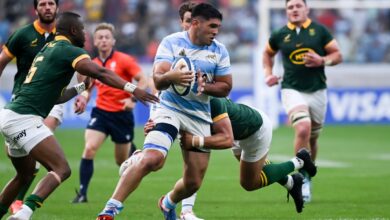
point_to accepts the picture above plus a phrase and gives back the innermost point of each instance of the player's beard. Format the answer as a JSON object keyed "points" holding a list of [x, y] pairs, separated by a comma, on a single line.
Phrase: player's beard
{"points": [[46, 20]]}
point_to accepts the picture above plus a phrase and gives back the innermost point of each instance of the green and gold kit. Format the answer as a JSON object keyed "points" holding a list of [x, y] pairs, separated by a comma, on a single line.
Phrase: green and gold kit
{"points": [[293, 46], [24, 44], [50, 73], [245, 120]]}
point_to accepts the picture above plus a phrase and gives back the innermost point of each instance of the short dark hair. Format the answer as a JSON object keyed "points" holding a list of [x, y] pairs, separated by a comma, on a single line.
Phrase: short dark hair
{"points": [[65, 21], [184, 7], [304, 1], [36, 3], [206, 11]]}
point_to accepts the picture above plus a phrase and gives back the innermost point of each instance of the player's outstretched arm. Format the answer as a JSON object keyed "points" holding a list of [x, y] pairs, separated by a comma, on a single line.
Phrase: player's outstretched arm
{"points": [[89, 68], [268, 63]]}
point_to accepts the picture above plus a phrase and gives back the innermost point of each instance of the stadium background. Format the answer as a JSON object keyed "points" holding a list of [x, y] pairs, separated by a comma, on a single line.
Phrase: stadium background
{"points": [[359, 89], [354, 156]]}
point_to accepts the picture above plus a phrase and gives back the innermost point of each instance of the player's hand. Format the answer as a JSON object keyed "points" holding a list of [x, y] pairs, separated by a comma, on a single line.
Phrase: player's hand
{"points": [[312, 59], [186, 140], [80, 104], [128, 104], [144, 96], [148, 126], [201, 82], [180, 77], [272, 80]]}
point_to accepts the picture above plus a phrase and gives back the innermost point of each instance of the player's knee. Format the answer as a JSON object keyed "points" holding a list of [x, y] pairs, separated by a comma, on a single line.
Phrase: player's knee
{"points": [[62, 173], [248, 185], [151, 160], [192, 185], [90, 150], [315, 132]]}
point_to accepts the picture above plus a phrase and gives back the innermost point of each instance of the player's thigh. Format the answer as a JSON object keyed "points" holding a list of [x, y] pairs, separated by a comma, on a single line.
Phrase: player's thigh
{"points": [[49, 153], [317, 105], [94, 139], [256, 146], [161, 137], [22, 132], [195, 127], [195, 165], [293, 101]]}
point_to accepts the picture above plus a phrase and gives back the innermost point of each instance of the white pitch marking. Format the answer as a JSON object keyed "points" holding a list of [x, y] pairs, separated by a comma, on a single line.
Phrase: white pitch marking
{"points": [[320, 162]]}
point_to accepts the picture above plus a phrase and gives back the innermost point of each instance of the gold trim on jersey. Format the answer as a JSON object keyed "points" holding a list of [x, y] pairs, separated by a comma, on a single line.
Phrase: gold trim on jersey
{"points": [[40, 29], [305, 24], [220, 117], [269, 48], [81, 57], [6, 51], [62, 37], [330, 42]]}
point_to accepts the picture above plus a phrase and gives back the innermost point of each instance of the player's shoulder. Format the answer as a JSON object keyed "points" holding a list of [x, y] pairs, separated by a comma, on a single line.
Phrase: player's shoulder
{"points": [[281, 31], [24, 32]]}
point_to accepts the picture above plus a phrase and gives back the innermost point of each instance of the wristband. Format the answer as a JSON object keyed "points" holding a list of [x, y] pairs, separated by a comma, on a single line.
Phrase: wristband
{"points": [[197, 141], [79, 87], [129, 87], [327, 62], [85, 94]]}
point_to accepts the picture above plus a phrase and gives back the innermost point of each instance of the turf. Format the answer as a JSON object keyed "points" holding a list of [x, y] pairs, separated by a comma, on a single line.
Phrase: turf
{"points": [[352, 182]]}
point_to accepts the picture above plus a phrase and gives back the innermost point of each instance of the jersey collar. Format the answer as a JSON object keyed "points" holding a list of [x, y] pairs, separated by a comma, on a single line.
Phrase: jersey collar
{"points": [[61, 37], [40, 29], [305, 24]]}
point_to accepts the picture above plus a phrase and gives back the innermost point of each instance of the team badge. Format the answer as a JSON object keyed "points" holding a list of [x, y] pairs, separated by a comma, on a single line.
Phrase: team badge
{"points": [[287, 38], [34, 43], [182, 53], [312, 32]]}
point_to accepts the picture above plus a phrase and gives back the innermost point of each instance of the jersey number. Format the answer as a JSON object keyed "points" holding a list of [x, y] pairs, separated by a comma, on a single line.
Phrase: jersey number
{"points": [[33, 69]]}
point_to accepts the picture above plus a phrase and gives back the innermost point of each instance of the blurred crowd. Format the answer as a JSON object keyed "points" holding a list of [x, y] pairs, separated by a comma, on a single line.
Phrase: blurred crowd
{"points": [[363, 35]]}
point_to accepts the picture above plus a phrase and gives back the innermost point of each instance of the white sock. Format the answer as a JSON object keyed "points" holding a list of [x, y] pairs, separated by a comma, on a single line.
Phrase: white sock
{"points": [[188, 203], [114, 202], [290, 183], [24, 213], [298, 163]]}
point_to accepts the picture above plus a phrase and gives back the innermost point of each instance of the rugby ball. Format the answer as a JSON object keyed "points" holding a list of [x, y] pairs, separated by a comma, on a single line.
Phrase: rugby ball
{"points": [[186, 65]]}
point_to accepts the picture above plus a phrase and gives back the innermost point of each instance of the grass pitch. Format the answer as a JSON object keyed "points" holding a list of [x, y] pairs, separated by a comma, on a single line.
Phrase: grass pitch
{"points": [[352, 182]]}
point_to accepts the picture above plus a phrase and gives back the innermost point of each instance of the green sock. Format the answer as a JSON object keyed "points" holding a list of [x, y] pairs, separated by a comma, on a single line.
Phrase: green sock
{"points": [[3, 210], [25, 188], [277, 172], [34, 201]]}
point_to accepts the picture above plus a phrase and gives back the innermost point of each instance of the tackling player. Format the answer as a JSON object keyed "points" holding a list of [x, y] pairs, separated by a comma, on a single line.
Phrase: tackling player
{"points": [[21, 121]]}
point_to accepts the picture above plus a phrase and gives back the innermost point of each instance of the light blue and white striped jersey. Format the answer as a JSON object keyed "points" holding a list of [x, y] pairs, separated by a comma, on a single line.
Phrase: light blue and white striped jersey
{"points": [[212, 60]]}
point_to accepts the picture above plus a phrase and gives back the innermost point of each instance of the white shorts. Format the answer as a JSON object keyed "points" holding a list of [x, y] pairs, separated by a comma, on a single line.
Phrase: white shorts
{"points": [[57, 112], [256, 146], [22, 132], [316, 102], [181, 122]]}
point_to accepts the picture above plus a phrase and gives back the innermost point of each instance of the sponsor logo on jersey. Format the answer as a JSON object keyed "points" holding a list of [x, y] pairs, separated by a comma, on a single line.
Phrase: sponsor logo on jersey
{"points": [[297, 56]]}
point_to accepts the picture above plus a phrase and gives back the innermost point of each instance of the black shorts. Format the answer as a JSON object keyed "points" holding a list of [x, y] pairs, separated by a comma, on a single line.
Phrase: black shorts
{"points": [[119, 125]]}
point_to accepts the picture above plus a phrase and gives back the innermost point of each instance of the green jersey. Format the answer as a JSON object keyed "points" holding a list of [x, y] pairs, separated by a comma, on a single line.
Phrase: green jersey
{"points": [[50, 73], [244, 119], [24, 44], [293, 46]]}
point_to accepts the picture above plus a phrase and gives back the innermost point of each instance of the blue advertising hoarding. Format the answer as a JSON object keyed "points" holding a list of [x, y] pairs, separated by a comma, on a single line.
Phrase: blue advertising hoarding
{"points": [[345, 106]]}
